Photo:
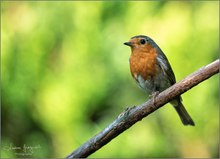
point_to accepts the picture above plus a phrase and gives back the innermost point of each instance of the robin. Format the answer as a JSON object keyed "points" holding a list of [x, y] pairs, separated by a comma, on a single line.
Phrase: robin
{"points": [[152, 71]]}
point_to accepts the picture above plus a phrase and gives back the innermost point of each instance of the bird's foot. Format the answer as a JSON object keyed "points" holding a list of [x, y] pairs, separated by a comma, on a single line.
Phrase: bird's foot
{"points": [[154, 95]]}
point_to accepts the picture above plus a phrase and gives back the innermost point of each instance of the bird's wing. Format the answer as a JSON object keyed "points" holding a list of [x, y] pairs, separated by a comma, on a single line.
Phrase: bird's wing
{"points": [[165, 66]]}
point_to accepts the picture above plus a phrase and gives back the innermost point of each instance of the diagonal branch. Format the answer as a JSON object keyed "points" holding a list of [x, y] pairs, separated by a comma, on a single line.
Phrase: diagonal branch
{"points": [[134, 114]]}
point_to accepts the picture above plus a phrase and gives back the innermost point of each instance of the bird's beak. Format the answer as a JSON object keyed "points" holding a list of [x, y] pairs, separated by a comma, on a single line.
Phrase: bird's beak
{"points": [[128, 43]]}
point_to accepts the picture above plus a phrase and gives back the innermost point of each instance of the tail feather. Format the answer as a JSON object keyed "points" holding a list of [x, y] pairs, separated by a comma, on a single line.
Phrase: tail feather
{"points": [[183, 114]]}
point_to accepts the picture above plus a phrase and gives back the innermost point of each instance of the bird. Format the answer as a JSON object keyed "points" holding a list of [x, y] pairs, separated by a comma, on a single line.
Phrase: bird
{"points": [[153, 73]]}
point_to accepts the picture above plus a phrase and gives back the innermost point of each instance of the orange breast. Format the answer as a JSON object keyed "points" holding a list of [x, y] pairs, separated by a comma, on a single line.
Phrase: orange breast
{"points": [[144, 63]]}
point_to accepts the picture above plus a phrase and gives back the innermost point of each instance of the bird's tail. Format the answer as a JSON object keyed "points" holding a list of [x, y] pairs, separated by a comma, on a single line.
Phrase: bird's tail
{"points": [[183, 114]]}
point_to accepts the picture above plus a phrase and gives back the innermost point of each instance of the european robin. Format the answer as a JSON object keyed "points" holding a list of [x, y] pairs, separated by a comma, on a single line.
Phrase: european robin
{"points": [[152, 71]]}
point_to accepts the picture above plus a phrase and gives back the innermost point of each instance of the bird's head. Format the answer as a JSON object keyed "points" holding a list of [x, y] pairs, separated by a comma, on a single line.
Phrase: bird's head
{"points": [[140, 43]]}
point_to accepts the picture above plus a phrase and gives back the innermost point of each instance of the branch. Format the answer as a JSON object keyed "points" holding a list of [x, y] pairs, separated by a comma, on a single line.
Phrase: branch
{"points": [[134, 114]]}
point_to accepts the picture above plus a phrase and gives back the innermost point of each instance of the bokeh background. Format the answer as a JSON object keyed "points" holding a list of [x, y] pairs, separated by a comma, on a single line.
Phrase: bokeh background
{"points": [[65, 76]]}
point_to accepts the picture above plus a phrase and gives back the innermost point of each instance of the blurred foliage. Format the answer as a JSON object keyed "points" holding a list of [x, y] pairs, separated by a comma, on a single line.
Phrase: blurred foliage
{"points": [[65, 76]]}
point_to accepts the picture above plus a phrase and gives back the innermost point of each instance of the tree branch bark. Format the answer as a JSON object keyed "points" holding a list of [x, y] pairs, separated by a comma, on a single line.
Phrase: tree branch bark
{"points": [[134, 114]]}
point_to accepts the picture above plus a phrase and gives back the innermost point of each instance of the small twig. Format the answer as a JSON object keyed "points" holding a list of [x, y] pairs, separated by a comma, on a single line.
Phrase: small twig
{"points": [[131, 115]]}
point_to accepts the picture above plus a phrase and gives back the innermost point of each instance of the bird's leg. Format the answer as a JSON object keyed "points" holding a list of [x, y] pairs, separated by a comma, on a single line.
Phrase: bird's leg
{"points": [[153, 95], [154, 92]]}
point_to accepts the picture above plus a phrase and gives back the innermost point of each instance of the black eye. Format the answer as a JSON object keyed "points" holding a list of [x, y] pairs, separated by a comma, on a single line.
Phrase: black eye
{"points": [[142, 41]]}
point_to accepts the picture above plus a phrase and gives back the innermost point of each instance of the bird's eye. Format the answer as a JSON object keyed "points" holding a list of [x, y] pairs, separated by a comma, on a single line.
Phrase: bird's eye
{"points": [[142, 41]]}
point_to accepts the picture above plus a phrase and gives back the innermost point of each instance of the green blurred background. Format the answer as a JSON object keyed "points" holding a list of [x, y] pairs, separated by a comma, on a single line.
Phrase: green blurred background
{"points": [[65, 77]]}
